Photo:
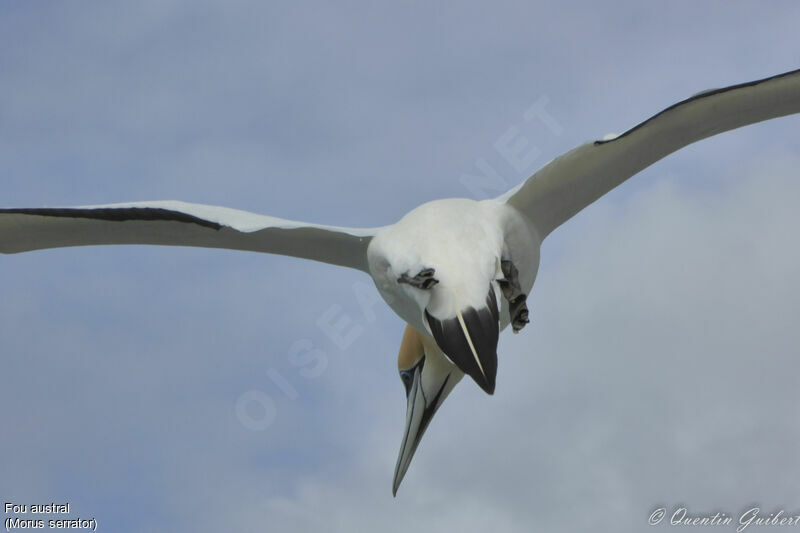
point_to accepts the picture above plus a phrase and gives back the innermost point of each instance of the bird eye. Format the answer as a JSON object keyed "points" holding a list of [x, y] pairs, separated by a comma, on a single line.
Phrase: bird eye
{"points": [[407, 377]]}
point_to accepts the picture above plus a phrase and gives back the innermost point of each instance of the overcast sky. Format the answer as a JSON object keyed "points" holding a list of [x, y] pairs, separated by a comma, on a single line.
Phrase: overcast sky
{"points": [[660, 368]]}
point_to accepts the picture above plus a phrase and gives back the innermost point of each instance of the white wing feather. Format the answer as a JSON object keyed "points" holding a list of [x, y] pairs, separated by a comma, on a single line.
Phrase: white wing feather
{"points": [[180, 224], [563, 187]]}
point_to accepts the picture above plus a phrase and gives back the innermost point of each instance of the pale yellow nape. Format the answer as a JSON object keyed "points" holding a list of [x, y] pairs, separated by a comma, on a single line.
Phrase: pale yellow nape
{"points": [[411, 349]]}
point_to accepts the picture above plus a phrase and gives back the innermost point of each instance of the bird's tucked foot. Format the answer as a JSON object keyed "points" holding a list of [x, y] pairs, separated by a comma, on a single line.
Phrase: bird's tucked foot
{"points": [[517, 308], [519, 313], [424, 280]]}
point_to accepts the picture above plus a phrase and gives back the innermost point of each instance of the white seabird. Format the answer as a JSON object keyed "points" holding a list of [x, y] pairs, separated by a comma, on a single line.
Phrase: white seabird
{"points": [[458, 271]]}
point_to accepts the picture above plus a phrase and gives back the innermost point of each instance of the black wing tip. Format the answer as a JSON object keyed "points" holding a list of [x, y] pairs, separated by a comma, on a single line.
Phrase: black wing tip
{"points": [[698, 96], [115, 214]]}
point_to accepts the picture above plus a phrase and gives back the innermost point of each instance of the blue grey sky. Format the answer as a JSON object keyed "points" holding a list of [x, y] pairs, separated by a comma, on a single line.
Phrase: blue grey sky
{"points": [[660, 366]]}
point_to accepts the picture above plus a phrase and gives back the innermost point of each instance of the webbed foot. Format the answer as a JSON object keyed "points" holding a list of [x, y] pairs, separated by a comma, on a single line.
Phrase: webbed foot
{"points": [[424, 280], [517, 308]]}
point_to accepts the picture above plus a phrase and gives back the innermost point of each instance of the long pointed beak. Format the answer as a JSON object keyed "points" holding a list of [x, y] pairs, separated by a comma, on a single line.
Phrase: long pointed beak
{"points": [[419, 413]]}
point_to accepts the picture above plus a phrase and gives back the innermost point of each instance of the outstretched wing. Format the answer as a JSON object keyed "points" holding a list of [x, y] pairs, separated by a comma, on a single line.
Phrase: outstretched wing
{"points": [[180, 224], [574, 180]]}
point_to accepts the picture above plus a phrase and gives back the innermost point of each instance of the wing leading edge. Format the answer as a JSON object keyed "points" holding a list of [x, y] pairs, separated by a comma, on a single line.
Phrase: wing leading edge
{"points": [[180, 224], [563, 187]]}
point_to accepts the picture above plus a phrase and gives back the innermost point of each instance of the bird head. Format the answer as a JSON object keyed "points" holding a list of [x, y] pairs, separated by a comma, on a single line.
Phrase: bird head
{"points": [[428, 377]]}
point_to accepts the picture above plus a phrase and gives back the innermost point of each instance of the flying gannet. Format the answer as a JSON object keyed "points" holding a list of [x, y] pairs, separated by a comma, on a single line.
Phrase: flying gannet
{"points": [[458, 271]]}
